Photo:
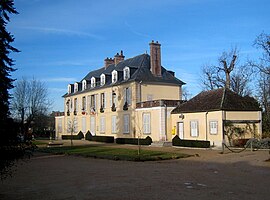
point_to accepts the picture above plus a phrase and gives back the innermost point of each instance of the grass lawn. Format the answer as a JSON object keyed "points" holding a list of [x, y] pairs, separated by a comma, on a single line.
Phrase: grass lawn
{"points": [[38, 142], [114, 153]]}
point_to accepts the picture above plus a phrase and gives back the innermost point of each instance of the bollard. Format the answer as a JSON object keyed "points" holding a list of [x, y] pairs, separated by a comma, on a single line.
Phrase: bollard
{"points": [[251, 149]]}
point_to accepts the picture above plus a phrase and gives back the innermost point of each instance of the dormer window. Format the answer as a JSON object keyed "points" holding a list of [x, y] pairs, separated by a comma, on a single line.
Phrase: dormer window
{"points": [[126, 73], [84, 83], [102, 79], [93, 82], [114, 76], [76, 87], [69, 89]]}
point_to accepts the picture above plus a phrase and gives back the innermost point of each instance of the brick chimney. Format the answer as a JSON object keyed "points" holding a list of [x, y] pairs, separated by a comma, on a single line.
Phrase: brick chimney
{"points": [[155, 58], [108, 61], [118, 58]]}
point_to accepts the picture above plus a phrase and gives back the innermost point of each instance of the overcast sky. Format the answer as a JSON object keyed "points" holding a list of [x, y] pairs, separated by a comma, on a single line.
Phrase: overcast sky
{"points": [[62, 40]]}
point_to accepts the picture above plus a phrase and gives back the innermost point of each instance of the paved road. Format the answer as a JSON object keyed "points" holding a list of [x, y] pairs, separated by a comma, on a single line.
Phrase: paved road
{"points": [[207, 176]]}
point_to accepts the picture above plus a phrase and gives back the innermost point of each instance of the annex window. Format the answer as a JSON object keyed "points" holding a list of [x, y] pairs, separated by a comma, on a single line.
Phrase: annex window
{"points": [[84, 84], [126, 73], [102, 124], [126, 124], [213, 127], [194, 132], [114, 124], [114, 76], [146, 123]]}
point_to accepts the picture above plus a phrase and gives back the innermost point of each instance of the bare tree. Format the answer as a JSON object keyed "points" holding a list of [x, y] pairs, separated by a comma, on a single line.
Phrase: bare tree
{"points": [[186, 95], [263, 42], [30, 99], [227, 74], [72, 127]]}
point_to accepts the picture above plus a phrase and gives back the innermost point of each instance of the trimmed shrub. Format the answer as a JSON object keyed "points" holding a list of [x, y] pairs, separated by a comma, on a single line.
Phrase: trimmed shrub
{"points": [[79, 136], [106, 139], [190, 143], [146, 141]]}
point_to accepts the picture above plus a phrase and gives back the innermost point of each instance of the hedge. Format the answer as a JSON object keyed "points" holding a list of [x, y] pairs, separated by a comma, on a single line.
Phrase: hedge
{"points": [[79, 136], [146, 141], [190, 143], [106, 139]]}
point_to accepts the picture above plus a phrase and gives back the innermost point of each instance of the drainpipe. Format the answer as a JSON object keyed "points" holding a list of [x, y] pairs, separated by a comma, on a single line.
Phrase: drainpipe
{"points": [[165, 105], [206, 129]]}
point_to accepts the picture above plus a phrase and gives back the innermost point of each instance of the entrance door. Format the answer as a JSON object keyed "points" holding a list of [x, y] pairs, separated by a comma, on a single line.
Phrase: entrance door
{"points": [[181, 130], [93, 125]]}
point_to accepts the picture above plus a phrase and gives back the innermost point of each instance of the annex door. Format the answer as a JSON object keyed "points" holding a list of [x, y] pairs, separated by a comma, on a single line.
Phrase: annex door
{"points": [[181, 130]]}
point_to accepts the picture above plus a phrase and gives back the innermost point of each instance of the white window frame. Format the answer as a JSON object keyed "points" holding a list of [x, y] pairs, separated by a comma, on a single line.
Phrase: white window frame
{"points": [[93, 82], [127, 95], [114, 124], [102, 79], [93, 103], [84, 85], [194, 128], [69, 89], [126, 120], [114, 76], [213, 127], [126, 73], [146, 123], [103, 100], [102, 124], [76, 88]]}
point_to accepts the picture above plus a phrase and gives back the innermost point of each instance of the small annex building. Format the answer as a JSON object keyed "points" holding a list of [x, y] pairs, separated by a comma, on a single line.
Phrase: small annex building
{"points": [[216, 116]]}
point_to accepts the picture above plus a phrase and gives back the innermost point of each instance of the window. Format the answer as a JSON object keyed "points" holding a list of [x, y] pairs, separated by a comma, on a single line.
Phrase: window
{"points": [[75, 106], [102, 79], [59, 125], [146, 123], [103, 100], [102, 124], [93, 103], [83, 124], [126, 124], [126, 73], [213, 127], [83, 104], [114, 76], [114, 124], [84, 83], [75, 87], [113, 100], [127, 95], [194, 128], [93, 82], [69, 88], [68, 106]]}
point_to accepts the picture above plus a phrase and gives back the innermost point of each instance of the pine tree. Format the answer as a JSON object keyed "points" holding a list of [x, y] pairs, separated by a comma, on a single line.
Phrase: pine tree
{"points": [[6, 65]]}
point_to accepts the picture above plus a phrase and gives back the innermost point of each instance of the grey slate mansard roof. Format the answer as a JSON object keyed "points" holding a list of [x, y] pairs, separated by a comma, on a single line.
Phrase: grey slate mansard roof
{"points": [[139, 71], [219, 99]]}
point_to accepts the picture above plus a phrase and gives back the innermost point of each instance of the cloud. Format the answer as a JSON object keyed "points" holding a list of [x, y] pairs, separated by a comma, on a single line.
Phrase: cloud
{"points": [[63, 32], [59, 79], [136, 32], [61, 90]]}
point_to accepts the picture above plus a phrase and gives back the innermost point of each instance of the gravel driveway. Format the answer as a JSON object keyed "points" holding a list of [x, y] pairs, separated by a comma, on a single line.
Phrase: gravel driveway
{"points": [[209, 175]]}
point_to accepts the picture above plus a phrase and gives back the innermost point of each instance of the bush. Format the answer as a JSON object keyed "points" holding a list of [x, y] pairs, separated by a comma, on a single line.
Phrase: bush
{"points": [[190, 143], [146, 141], [106, 139], [79, 136]]}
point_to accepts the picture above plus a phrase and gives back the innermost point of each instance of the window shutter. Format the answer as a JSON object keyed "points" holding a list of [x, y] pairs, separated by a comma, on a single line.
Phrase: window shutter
{"points": [[129, 96], [111, 99], [125, 95], [116, 100], [126, 123]]}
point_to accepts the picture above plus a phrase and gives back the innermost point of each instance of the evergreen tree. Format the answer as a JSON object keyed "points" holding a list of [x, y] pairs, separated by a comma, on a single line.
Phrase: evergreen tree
{"points": [[6, 67]]}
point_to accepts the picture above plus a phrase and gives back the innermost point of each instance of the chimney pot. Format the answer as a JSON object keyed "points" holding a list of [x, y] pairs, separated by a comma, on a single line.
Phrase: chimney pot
{"points": [[118, 58]]}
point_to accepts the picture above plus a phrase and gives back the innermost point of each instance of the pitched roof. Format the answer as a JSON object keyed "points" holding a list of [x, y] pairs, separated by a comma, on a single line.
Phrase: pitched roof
{"points": [[140, 71], [219, 99]]}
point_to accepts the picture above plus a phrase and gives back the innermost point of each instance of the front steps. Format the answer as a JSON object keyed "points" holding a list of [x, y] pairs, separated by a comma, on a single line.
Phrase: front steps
{"points": [[161, 144]]}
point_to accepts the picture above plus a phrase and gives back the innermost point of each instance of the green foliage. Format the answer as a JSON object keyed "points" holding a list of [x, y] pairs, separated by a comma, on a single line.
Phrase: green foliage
{"points": [[190, 143], [146, 141], [79, 136], [106, 139]]}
